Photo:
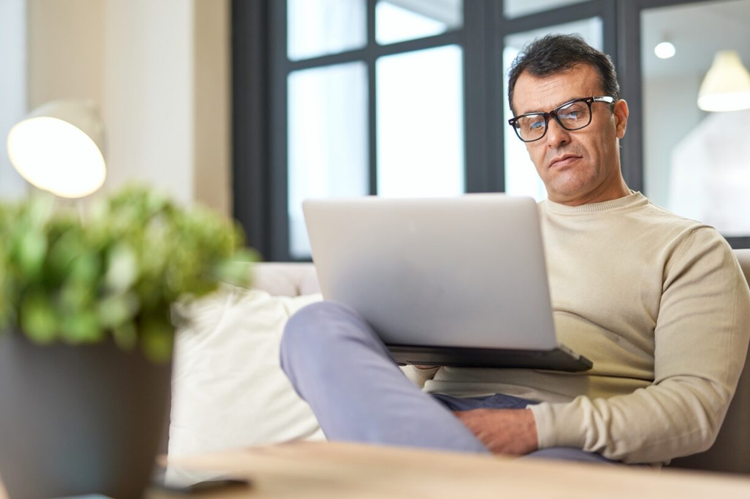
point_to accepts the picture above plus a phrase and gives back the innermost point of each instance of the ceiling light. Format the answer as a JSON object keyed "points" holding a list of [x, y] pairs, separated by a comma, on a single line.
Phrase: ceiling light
{"points": [[726, 86], [664, 50]]}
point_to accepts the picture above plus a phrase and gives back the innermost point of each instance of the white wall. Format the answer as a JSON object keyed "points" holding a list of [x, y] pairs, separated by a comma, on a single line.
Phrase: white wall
{"points": [[13, 99], [148, 111], [159, 71]]}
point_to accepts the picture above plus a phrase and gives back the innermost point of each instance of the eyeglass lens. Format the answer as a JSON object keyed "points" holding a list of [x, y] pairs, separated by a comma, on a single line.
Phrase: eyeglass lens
{"points": [[573, 116]]}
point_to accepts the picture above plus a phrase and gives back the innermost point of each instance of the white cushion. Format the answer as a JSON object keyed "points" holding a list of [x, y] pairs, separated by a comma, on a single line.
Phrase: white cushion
{"points": [[228, 390]]}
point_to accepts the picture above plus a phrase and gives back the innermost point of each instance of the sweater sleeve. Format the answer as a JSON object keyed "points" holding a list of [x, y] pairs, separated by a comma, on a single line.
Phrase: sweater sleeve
{"points": [[701, 339]]}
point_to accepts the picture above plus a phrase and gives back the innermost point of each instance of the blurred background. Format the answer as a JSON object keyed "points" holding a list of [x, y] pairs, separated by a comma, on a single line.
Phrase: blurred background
{"points": [[250, 106]]}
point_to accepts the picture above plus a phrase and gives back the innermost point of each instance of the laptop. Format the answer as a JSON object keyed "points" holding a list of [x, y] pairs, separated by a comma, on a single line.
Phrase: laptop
{"points": [[458, 281]]}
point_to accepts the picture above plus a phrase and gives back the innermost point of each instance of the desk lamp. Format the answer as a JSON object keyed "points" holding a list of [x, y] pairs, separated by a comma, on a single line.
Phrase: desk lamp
{"points": [[58, 148]]}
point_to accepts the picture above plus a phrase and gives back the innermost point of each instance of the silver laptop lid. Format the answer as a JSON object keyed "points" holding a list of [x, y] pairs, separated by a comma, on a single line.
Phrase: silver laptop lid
{"points": [[466, 271]]}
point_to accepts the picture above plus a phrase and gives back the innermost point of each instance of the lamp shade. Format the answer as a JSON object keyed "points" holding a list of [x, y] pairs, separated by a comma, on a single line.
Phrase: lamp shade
{"points": [[59, 148], [726, 86]]}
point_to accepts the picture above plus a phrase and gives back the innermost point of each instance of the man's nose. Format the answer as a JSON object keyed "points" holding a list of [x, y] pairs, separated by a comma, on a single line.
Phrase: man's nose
{"points": [[556, 134]]}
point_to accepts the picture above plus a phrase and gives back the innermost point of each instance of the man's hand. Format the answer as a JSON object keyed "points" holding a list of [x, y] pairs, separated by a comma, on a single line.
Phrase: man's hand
{"points": [[502, 431]]}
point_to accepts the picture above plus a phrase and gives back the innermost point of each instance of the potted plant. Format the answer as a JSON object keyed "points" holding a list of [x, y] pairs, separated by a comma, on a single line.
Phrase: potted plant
{"points": [[87, 319]]}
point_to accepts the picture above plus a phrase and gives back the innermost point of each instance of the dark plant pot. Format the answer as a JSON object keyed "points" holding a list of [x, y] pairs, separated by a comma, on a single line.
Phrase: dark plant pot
{"points": [[78, 419]]}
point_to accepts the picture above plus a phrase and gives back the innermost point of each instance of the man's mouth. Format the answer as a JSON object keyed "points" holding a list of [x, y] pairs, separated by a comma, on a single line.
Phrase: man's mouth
{"points": [[563, 161]]}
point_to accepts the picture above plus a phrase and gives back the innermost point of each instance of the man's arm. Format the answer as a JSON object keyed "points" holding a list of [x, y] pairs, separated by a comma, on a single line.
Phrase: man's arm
{"points": [[701, 341]]}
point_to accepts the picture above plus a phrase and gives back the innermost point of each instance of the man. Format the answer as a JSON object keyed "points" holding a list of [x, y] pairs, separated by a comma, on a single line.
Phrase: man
{"points": [[657, 302]]}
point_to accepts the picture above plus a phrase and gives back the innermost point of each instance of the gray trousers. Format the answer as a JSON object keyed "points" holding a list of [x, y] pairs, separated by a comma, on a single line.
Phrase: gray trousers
{"points": [[337, 363]]}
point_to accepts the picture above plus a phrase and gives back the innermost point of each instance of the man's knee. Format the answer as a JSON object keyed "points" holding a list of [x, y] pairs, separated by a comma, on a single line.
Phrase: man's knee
{"points": [[315, 323], [315, 330]]}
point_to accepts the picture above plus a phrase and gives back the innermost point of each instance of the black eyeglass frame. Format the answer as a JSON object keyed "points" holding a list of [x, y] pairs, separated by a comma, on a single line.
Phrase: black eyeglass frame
{"points": [[553, 114]]}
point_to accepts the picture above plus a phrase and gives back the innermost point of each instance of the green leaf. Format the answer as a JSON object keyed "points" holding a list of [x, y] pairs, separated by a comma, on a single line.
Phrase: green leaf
{"points": [[40, 208], [125, 336], [81, 327], [231, 272], [62, 253], [122, 269], [157, 338], [116, 310], [76, 295], [38, 318], [86, 268], [32, 249]]}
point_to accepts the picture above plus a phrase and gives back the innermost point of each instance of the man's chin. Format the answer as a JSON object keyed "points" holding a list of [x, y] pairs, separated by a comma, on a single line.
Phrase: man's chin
{"points": [[566, 192]]}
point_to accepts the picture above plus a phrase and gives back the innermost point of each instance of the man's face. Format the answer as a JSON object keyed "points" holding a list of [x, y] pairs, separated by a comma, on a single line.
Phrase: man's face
{"points": [[581, 166]]}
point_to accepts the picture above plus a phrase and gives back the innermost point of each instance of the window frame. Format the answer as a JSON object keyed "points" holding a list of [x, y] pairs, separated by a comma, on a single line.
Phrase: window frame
{"points": [[259, 113]]}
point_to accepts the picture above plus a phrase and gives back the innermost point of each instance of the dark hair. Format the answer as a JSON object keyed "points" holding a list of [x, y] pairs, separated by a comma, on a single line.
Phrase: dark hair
{"points": [[557, 53]]}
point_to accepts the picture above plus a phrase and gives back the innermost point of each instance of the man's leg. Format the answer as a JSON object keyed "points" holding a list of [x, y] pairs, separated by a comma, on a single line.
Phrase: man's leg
{"points": [[337, 364]]}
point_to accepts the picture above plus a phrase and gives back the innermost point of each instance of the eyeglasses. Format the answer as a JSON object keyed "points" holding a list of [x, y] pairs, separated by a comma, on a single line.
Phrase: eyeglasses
{"points": [[572, 115]]}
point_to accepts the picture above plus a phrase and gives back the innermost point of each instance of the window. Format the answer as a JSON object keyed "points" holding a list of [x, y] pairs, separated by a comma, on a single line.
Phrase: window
{"points": [[374, 99], [420, 123], [12, 90], [327, 140], [695, 161], [672, 143]]}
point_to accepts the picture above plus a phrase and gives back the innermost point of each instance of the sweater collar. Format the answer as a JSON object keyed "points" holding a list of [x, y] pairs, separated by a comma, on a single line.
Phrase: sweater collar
{"points": [[631, 200]]}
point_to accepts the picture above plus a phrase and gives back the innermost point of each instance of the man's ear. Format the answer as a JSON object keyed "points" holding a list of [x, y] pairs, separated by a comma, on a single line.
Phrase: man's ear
{"points": [[621, 113]]}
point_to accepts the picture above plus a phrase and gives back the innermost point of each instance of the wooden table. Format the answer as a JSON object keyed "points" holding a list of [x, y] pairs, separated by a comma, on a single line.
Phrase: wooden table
{"points": [[331, 470]]}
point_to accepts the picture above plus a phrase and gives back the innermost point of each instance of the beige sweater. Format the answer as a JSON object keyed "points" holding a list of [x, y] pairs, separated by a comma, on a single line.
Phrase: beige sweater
{"points": [[660, 306]]}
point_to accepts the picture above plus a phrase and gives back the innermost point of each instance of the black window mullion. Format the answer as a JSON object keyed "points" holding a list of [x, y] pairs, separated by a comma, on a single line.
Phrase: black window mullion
{"points": [[495, 39], [371, 57], [560, 15], [327, 60], [280, 69], [251, 164], [447, 38], [475, 71], [373, 51], [629, 71], [611, 30]]}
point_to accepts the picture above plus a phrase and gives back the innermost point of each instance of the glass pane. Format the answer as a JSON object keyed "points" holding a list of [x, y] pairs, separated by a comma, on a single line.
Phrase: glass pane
{"points": [[320, 27], [400, 20], [518, 8], [521, 178], [420, 123], [696, 163], [327, 140]]}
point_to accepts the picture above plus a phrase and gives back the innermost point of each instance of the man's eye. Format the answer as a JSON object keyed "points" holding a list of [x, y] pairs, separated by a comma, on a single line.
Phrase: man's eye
{"points": [[536, 125], [572, 112]]}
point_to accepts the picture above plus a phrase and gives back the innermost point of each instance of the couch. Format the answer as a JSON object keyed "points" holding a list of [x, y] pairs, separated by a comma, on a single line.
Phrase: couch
{"points": [[296, 282]]}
